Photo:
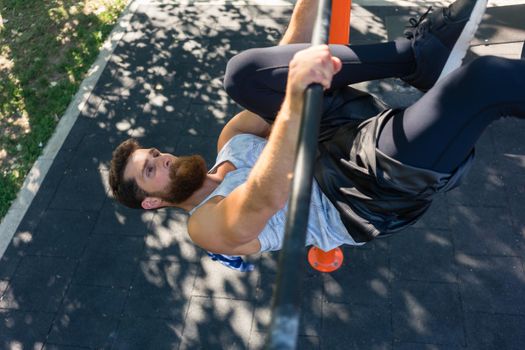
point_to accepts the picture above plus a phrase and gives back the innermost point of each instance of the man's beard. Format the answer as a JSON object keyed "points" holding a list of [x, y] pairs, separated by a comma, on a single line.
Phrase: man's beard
{"points": [[187, 174]]}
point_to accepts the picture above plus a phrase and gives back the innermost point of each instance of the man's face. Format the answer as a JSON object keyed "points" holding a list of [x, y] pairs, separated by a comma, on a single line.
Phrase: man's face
{"points": [[163, 175]]}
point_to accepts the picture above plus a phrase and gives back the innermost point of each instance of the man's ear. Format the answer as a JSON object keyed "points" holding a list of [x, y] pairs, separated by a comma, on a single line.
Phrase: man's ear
{"points": [[149, 203]]}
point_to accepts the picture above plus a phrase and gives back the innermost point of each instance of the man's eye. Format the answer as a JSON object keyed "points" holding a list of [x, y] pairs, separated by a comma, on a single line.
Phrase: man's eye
{"points": [[156, 153], [149, 171]]}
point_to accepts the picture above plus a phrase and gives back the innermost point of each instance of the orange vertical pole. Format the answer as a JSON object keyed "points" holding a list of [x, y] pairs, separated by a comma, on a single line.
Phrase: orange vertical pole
{"points": [[340, 22], [339, 34]]}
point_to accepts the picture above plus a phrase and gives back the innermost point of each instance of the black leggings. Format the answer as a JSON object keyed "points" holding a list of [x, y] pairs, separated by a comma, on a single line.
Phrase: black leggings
{"points": [[440, 130], [256, 78], [437, 132]]}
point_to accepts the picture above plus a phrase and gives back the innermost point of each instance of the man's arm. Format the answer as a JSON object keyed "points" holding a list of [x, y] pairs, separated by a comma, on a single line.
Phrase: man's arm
{"points": [[227, 225], [244, 122], [302, 22]]}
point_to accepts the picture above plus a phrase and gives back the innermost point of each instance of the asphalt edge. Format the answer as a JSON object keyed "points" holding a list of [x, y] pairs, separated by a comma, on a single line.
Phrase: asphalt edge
{"points": [[36, 175]]}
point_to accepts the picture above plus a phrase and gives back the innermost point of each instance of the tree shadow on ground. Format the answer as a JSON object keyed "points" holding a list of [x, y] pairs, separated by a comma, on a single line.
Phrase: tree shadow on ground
{"points": [[132, 280]]}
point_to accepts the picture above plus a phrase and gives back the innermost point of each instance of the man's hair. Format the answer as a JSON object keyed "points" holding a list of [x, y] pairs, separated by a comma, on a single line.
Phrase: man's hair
{"points": [[128, 191]]}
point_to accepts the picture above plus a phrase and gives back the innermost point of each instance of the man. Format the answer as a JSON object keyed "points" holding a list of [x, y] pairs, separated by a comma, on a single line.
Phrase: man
{"points": [[374, 175]]}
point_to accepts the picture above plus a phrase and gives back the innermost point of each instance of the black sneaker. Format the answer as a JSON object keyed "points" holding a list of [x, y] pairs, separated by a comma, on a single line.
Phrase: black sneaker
{"points": [[441, 39]]}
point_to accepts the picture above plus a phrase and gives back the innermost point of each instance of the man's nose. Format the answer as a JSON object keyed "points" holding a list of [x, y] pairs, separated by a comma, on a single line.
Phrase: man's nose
{"points": [[166, 161]]}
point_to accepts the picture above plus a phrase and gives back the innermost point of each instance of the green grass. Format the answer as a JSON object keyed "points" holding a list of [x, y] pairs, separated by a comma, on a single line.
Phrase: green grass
{"points": [[46, 49]]}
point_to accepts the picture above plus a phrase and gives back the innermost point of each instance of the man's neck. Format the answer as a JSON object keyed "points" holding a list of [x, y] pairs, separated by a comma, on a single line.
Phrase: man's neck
{"points": [[210, 184]]}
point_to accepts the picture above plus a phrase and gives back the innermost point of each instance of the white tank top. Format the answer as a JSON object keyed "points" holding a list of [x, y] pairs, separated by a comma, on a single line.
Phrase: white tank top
{"points": [[325, 228]]}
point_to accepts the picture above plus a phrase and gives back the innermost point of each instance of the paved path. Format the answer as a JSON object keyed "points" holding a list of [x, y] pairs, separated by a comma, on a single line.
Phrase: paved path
{"points": [[82, 272]]}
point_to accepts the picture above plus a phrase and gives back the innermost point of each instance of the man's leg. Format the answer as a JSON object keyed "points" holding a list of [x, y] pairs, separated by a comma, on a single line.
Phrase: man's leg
{"points": [[440, 130], [256, 79]]}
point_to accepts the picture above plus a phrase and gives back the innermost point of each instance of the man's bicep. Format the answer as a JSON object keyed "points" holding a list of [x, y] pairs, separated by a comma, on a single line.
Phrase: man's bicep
{"points": [[243, 218], [205, 229], [234, 220]]}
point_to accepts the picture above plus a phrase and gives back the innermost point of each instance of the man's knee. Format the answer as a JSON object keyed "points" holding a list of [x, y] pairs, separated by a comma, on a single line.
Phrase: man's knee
{"points": [[485, 69], [239, 70], [482, 78]]}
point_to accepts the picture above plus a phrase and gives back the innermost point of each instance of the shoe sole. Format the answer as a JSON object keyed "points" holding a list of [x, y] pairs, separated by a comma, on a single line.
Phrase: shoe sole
{"points": [[461, 46]]}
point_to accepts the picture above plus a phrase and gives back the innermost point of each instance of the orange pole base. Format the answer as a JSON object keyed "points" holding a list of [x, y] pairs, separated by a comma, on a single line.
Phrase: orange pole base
{"points": [[325, 261]]}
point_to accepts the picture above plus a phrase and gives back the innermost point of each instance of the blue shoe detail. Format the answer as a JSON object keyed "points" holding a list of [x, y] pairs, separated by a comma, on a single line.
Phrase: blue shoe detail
{"points": [[233, 262]]}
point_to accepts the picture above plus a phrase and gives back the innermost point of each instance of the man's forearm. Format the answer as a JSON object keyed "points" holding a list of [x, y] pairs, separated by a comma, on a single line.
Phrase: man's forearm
{"points": [[301, 23], [269, 180]]}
